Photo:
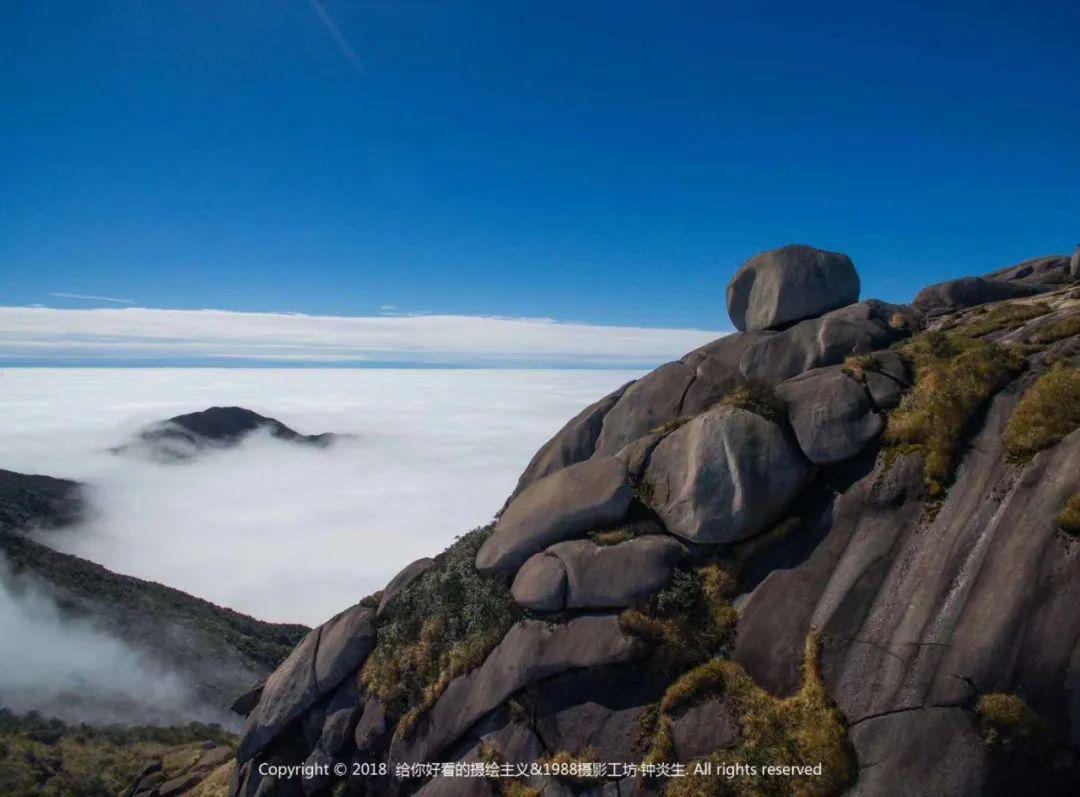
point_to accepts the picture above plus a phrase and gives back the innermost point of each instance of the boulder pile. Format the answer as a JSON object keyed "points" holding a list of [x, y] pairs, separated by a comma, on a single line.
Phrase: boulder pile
{"points": [[680, 490]]}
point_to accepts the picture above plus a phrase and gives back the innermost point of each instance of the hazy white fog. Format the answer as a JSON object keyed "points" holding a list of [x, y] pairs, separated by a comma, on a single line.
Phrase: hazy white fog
{"points": [[69, 669], [281, 531]]}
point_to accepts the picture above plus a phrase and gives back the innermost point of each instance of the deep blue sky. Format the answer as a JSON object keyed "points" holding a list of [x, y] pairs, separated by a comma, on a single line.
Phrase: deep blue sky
{"points": [[603, 162]]}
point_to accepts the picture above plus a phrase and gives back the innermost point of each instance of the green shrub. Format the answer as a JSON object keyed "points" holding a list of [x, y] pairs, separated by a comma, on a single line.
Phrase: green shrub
{"points": [[1006, 720], [440, 626], [1047, 412], [1069, 519], [689, 621], [955, 375]]}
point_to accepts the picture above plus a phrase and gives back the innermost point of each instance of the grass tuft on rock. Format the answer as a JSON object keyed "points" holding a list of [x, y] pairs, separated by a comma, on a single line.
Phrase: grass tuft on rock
{"points": [[1007, 721], [1058, 330], [955, 375], [803, 729], [757, 397], [1004, 316], [1069, 519], [690, 620], [439, 627], [1047, 412]]}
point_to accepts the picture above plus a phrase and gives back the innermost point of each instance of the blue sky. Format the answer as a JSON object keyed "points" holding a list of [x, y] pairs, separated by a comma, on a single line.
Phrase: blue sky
{"points": [[608, 163]]}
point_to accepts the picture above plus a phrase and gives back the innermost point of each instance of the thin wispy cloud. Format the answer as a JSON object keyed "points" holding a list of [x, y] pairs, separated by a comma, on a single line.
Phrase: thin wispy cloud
{"points": [[338, 37], [88, 297], [49, 334]]}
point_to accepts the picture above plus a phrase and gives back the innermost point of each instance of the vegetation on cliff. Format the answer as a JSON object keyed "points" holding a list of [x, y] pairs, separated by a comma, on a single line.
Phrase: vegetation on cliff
{"points": [[804, 729], [955, 375], [45, 757], [440, 626], [1047, 412]]}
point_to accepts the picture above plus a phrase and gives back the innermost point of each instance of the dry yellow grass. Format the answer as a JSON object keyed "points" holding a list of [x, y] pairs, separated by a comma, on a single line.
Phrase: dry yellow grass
{"points": [[1069, 519], [1058, 330], [803, 729], [1047, 412], [955, 376], [216, 783], [1006, 720]]}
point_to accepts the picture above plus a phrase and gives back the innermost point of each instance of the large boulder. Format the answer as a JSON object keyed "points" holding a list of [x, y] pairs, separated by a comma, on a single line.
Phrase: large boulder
{"points": [[404, 578], [648, 403], [531, 651], [583, 575], [575, 442], [316, 666], [540, 584], [724, 476], [970, 291], [789, 284], [1074, 264], [565, 504], [856, 329], [831, 413]]}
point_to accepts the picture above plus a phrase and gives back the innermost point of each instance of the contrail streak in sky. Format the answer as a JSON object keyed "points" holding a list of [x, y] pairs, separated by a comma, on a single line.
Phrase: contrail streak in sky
{"points": [[336, 35]]}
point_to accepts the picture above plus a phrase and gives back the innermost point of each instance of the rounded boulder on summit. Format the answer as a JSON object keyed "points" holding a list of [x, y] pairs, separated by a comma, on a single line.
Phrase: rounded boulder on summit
{"points": [[788, 284]]}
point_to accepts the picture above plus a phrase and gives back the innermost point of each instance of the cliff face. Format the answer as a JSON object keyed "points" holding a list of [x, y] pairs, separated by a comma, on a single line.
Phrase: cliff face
{"points": [[843, 537]]}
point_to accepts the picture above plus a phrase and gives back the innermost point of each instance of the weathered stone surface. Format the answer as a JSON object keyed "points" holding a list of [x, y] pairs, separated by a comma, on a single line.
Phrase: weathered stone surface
{"points": [[582, 575], [919, 614], [405, 576], [344, 644], [855, 329], [532, 650], [599, 707], [970, 291], [928, 751], [565, 504], [1048, 271], [317, 665], [178, 785], [372, 725], [789, 284], [650, 402], [1074, 264], [724, 476], [615, 576], [885, 391], [831, 414], [288, 692], [703, 729], [342, 713], [892, 365], [247, 701], [540, 584], [716, 369], [575, 442]]}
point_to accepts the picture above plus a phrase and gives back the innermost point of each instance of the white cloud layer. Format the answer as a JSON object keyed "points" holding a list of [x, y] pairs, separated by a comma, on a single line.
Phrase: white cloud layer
{"points": [[43, 334], [277, 530]]}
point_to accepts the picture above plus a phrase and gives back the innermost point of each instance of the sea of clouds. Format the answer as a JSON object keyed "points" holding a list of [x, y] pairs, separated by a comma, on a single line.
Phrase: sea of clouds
{"points": [[282, 531], [277, 530]]}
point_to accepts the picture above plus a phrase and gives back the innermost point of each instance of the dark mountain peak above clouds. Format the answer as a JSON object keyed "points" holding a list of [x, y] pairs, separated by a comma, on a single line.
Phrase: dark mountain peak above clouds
{"points": [[183, 436]]}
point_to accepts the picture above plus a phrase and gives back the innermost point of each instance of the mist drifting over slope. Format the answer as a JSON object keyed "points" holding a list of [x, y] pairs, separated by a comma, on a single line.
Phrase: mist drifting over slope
{"points": [[69, 669], [272, 529]]}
